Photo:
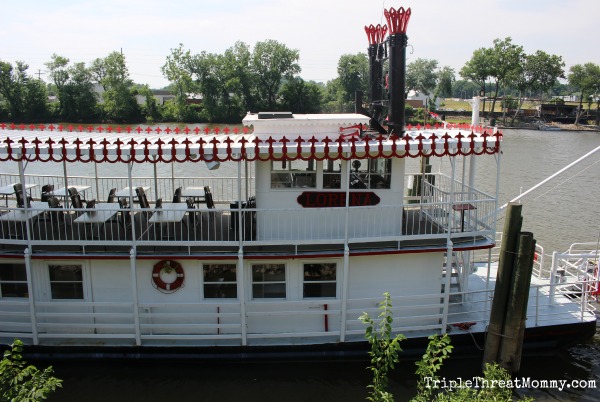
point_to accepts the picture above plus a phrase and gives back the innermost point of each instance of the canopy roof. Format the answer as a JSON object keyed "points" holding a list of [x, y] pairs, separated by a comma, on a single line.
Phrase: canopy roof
{"points": [[105, 144]]}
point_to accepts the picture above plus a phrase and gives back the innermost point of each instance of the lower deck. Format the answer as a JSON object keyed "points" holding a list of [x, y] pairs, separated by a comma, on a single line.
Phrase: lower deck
{"points": [[243, 310]]}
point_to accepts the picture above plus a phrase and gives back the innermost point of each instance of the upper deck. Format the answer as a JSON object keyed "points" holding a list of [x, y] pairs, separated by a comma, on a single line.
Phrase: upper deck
{"points": [[307, 184]]}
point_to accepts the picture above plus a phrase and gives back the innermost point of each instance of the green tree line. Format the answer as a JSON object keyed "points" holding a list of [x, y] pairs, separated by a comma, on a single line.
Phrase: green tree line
{"points": [[266, 77]]}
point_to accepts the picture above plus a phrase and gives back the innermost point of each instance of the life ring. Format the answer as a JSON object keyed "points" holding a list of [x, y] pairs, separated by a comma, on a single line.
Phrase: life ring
{"points": [[168, 266]]}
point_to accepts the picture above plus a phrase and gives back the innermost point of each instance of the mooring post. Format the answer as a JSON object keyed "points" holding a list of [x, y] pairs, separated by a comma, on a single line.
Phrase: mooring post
{"points": [[516, 312], [512, 227]]}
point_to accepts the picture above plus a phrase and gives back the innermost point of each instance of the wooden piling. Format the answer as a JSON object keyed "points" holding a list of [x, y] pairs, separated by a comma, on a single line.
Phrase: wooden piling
{"points": [[516, 312], [512, 227], [527, 284]]}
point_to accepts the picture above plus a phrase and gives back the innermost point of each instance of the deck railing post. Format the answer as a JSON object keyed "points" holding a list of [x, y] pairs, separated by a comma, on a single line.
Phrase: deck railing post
{"points": [[346, 267], [32, 314], [25, 203], [132, 217], [447, 283], [553, 277], [241, 286], [134, 293]]}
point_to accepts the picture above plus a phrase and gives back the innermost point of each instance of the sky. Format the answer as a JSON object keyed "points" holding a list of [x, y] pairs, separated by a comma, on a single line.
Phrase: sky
{"points": [[321, 30]]}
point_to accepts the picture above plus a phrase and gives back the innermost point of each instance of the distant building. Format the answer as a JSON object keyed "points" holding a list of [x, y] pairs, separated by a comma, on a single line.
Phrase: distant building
{"points": [[162, 96], [419, 100]]}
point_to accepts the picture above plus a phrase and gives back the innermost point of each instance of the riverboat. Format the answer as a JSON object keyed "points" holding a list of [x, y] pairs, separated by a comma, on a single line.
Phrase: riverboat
{"points": [[313, 220]]}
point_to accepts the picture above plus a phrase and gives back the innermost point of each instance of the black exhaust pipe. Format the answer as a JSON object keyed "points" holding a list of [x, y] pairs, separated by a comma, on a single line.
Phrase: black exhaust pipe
{"points": [[397, 22]]}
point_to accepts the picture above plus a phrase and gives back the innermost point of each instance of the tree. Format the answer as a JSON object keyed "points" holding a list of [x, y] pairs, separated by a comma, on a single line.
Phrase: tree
{"points": [[445, 81], [120, 103], [300, 96], [586, 78], [150, 108], [464, 89], [177, 70], [478, 69], [25, 96], [271, 63], [333, 94], [240, 80], [211, 81], [353, 73], [75, 88], [538, 72], [507, 59], [19, 382], [421, 76]]}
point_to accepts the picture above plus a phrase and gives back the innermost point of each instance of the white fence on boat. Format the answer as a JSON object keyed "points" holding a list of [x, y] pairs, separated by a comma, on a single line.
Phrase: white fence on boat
{"points": [[221, 323], [438, 213], [224, 188], [110, 225]]}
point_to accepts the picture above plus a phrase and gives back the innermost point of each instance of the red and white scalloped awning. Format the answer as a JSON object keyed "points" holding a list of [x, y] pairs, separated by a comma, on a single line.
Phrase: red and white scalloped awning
{"points": [[43, 144]]}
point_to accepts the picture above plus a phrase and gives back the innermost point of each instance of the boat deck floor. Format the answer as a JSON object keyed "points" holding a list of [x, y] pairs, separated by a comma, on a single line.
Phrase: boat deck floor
{"points": [[474, 307]]}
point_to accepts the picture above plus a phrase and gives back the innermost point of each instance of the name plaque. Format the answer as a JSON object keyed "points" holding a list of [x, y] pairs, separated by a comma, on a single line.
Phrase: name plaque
{"points": [[336, 199]]}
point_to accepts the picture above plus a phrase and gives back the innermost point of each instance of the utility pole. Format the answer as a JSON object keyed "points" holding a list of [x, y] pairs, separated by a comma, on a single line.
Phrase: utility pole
{"points": [[39, 74]]}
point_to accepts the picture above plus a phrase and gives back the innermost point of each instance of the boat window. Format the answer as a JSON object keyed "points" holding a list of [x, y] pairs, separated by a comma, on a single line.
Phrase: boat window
{"points": [[66, 281], [332, 174], [220, 281], [370, 173], [293, 174], [268, 281], [13, 280], [320, 280]]}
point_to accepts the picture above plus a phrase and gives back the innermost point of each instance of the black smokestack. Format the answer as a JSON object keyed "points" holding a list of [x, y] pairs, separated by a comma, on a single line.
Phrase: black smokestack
{"points": [[376, 34], [397, 24]]}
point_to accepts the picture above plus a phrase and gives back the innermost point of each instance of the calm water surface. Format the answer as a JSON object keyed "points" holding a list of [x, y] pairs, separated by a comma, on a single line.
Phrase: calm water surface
{"points": [[562, 212]]}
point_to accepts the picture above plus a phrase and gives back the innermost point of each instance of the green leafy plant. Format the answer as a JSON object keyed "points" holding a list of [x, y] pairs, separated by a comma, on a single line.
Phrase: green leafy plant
{"points": [[21, 382], [384, 349], [438, 350]]}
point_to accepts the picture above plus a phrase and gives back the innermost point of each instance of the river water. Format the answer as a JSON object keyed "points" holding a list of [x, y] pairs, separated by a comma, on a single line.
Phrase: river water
{"points": [[564, 211]]}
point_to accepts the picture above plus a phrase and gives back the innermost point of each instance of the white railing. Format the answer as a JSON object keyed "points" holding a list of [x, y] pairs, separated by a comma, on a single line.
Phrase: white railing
{"points": [[224, 189], [220, 322], [110, 225]]}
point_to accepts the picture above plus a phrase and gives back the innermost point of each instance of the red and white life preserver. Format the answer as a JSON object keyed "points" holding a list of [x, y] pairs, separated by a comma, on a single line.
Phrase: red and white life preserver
{"points": [[165, 268]]}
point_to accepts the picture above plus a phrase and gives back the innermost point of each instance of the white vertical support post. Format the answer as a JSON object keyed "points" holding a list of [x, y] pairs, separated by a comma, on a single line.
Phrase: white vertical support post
{"points": [[447, 283], [240, 228], [467, 254], [452, 195], [67, 198], [25, 203], [31, 292], [553, 282], [496, 210], [155, 168], [346, 268], [240, 266], [96, 180], [475, 112], [246, 179], [241, 288], [449, 250], [172, 179], [487, 309], [130, 185], [134, 293]]}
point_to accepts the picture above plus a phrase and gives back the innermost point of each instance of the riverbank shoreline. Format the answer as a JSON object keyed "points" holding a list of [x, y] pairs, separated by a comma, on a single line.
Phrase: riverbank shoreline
{"points": [[552, 127]]}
